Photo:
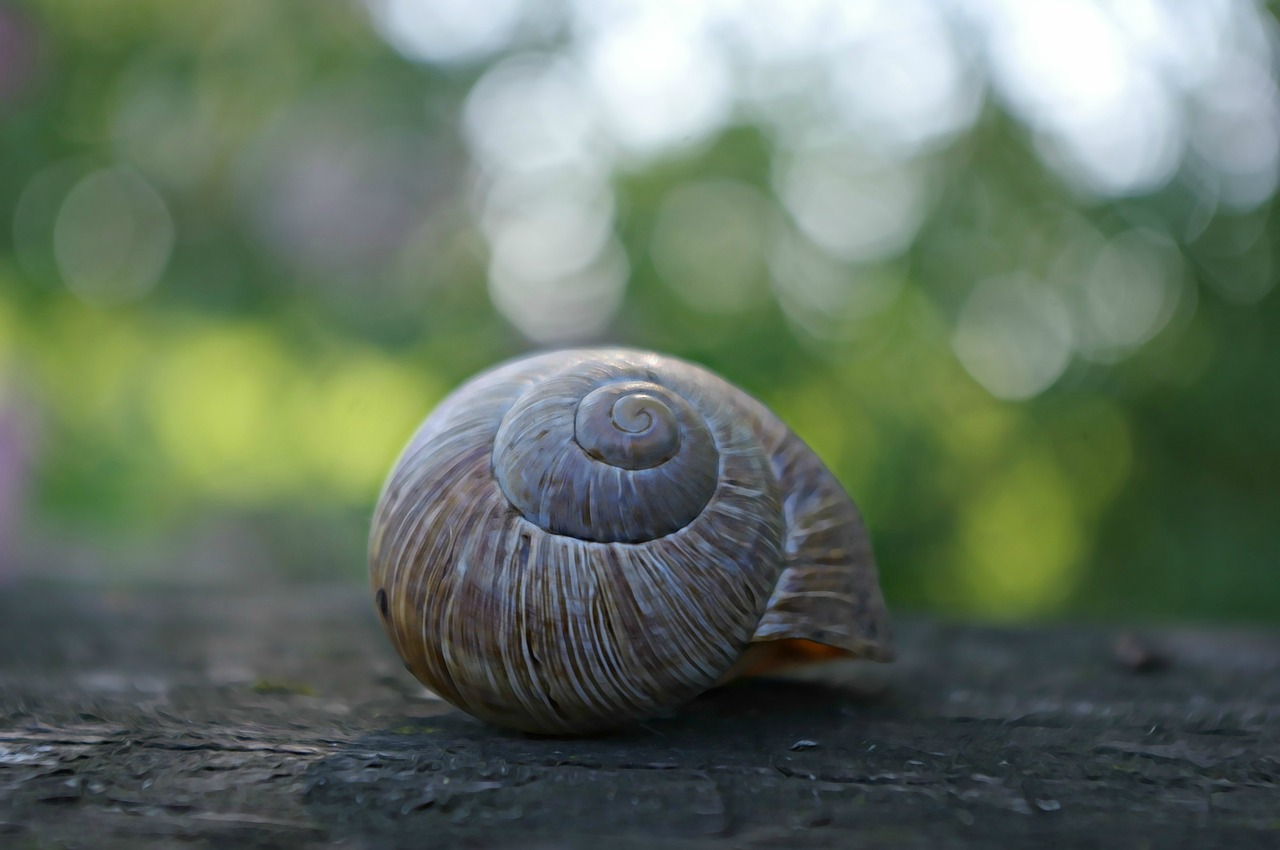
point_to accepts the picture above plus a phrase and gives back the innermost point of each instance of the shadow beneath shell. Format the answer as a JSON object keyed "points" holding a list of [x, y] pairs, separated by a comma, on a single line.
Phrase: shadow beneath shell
{"points": [[713, 767]]}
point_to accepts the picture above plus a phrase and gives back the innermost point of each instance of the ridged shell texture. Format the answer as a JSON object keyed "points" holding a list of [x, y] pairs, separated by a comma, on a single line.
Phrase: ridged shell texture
{"points": [[584, 538]]}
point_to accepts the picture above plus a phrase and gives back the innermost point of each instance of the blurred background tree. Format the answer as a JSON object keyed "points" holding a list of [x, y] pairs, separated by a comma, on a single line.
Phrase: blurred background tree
{"points": [[1006, 266]]}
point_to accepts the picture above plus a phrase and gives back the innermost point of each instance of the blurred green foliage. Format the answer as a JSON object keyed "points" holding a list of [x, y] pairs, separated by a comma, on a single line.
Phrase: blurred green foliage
{"points": [[247, 246]]}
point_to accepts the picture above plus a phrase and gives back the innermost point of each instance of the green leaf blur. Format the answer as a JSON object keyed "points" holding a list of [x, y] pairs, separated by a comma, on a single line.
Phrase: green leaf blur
{"points": [[1024, 310]]}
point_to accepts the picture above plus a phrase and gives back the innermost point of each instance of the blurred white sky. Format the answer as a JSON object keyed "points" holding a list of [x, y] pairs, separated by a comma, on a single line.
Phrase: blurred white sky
{"points": [[1119, 97], [1118, 91], [858, 99]]}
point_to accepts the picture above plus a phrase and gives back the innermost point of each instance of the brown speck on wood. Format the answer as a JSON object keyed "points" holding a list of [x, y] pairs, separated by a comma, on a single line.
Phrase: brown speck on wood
{"points": [[1139, 656]]}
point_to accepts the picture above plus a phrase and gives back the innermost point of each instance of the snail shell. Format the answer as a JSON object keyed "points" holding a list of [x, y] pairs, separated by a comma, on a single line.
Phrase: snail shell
{"points": [[584, 538]]}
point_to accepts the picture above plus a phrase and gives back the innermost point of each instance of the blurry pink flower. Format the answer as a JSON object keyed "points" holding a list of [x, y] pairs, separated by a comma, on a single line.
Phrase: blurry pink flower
{"points": [[17, 55]]}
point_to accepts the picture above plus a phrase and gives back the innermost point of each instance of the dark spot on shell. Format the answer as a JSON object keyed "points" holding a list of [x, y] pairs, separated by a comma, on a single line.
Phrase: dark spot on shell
{"points": [[523, 558], [382, 600], [533, 656]]}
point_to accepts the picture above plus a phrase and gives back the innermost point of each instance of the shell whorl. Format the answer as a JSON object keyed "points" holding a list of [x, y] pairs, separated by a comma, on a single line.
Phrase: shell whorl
{"points": [[631, 424], [608, 459]]}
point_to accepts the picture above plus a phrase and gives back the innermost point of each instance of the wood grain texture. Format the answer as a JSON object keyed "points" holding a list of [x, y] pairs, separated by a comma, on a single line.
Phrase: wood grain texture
{"points": [[280, 718], [578, 539]]}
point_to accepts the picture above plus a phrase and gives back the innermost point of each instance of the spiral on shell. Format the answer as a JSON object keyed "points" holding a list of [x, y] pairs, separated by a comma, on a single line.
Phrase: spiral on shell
{"points": [[623, 461], [583, 538]]}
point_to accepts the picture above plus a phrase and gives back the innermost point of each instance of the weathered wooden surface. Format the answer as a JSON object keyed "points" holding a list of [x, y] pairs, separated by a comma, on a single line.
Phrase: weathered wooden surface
{"points": [[282, 719]]}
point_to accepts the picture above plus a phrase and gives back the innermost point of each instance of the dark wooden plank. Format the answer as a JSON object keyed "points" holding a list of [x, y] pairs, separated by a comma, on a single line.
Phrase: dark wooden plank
{"points": [[281, 718]]}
